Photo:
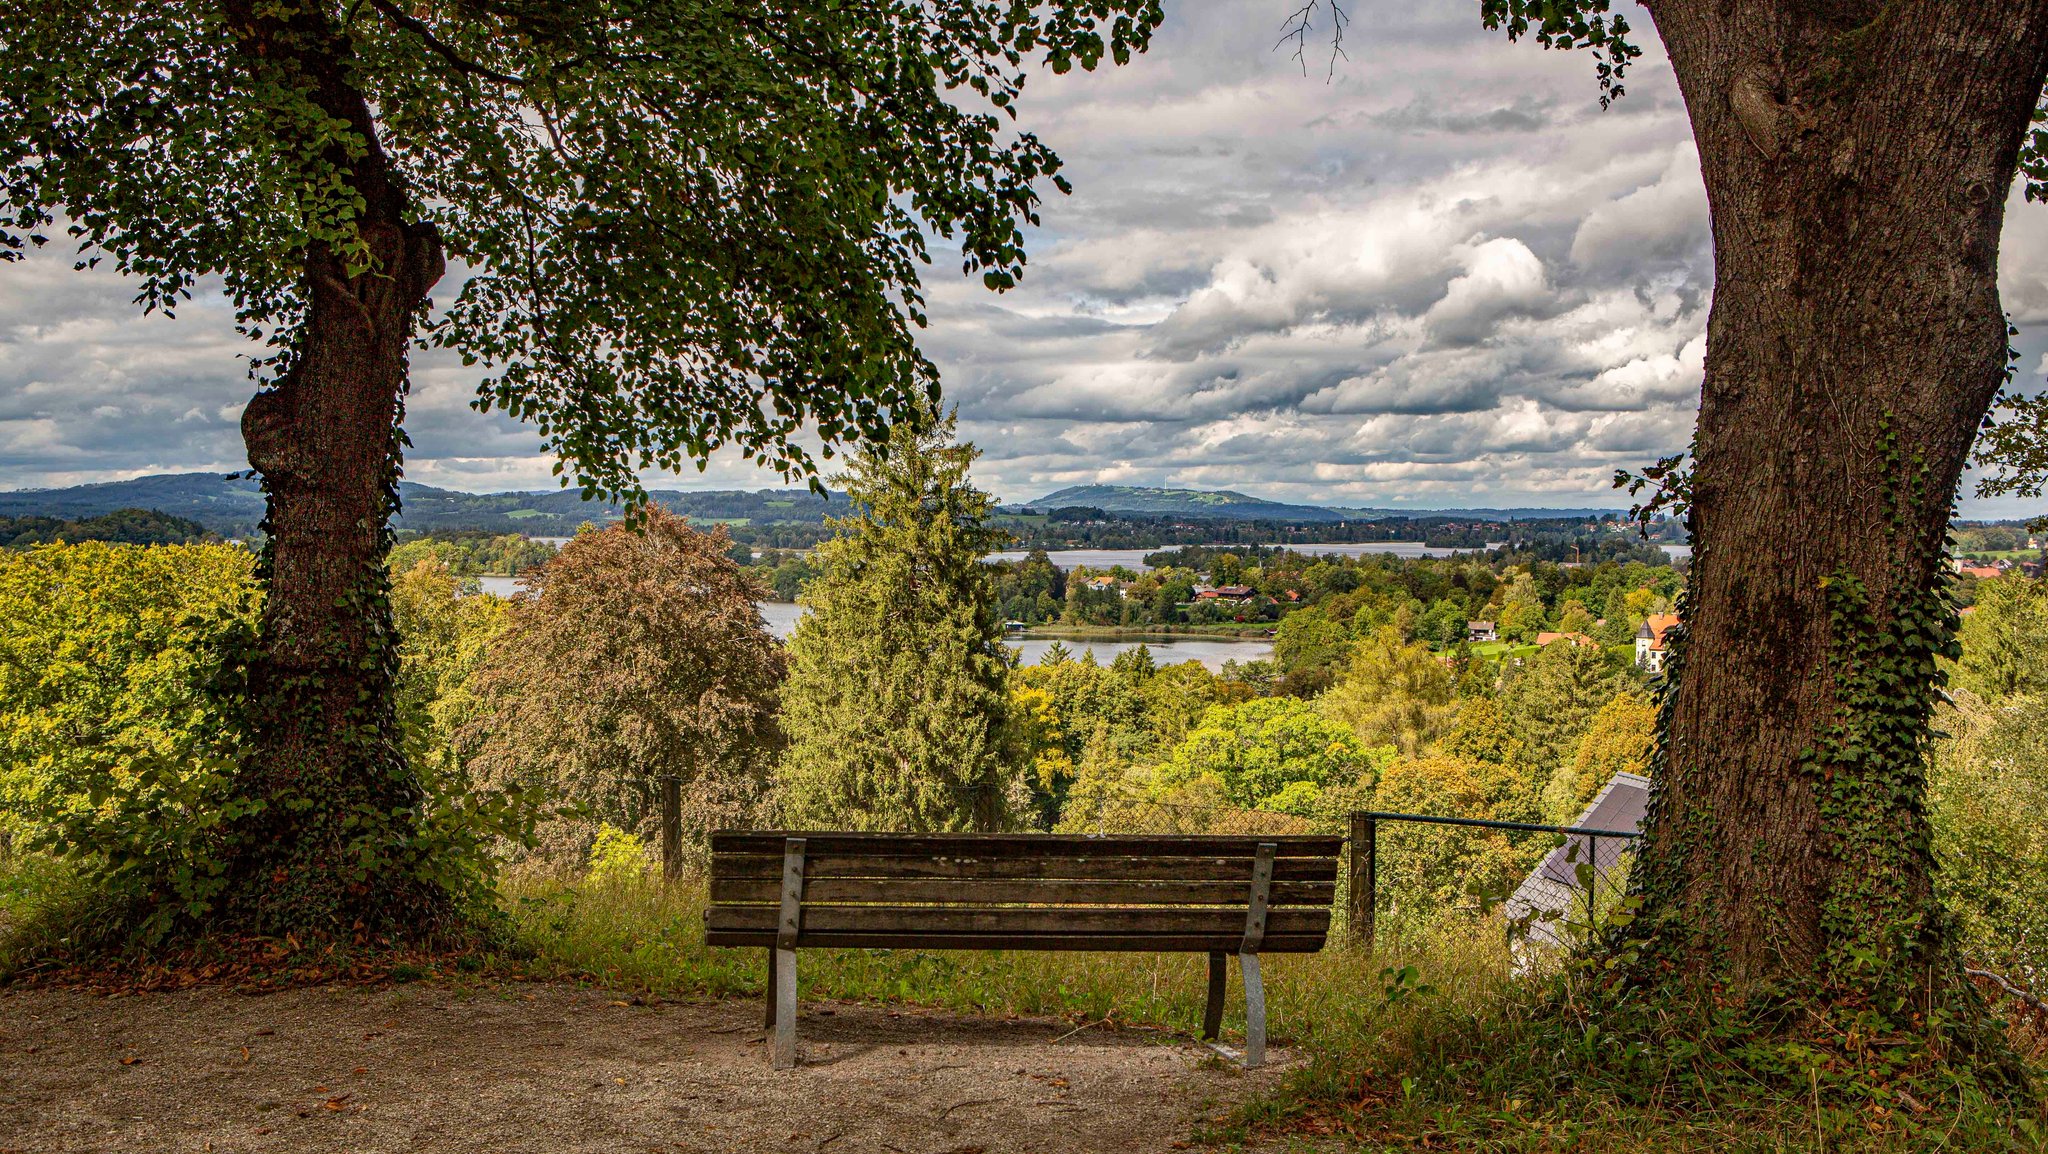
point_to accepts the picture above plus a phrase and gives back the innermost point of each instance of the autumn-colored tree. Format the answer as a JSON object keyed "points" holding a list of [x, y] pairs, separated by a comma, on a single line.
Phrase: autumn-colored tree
{"points": [[632, 656], [1392, 693], [1621, 739], [1428, 870], [117, 734], [444, 631]]}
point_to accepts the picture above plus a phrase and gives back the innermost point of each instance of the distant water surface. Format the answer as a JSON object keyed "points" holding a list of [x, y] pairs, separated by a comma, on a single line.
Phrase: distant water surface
{"points": [[781, 617]]}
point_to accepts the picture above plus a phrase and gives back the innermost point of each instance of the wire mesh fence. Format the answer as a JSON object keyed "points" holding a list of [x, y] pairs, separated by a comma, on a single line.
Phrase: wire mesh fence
{"points": [[1552, 885]]}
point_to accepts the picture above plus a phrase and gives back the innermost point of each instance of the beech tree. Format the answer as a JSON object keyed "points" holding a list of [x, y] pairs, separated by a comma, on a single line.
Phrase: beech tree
{"points": [[630, 657], [681, 224], [1857, 156]]}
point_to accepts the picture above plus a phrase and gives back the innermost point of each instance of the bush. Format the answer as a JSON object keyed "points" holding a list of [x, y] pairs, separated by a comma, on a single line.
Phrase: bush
{"points": [[117, 733]]}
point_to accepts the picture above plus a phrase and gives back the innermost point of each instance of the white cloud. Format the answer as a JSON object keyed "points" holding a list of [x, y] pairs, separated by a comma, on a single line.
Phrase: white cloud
{"points": [[1442, 276]]}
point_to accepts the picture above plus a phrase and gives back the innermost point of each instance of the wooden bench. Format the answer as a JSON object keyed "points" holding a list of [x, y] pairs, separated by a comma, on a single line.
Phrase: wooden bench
{"points": [[1216, 895]]}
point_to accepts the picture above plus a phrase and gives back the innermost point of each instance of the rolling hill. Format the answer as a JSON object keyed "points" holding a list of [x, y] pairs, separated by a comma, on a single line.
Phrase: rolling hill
{"points": [[1228, 505], [234, 506]]}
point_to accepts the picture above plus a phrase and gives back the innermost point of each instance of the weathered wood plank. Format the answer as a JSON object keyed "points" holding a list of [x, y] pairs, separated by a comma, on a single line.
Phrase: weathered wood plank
{"points": [[1069, 943], [1107, 867], [1031, 845], [1007, 891], [1016, 920]]}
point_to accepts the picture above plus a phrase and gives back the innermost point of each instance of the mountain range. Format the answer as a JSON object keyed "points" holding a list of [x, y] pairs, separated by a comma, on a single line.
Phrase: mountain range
{"points": [[233, 505], [1229, 505]]}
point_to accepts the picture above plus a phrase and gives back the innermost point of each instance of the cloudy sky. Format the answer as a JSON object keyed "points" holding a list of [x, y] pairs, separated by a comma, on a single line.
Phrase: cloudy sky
{"points": [[1441, 277]]}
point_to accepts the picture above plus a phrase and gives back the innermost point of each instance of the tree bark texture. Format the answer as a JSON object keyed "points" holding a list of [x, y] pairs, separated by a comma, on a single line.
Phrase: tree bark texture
{"points": [[1857, 155], [334, 849]]}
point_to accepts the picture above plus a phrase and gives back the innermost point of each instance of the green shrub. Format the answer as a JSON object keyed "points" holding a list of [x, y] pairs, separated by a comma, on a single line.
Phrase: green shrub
{"points": [[617, 858], [116, 749]]}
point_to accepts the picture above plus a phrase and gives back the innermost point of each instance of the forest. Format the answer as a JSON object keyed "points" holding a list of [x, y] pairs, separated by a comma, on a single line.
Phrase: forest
{"points": [[543, 724]]}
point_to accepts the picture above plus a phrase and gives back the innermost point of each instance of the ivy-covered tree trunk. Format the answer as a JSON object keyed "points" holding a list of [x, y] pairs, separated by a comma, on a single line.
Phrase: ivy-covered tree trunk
{"points": [[1857, 157], [332, 848]]}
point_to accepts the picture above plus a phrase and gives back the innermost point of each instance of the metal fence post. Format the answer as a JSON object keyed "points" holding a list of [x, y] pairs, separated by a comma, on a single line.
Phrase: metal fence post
{"points": [[1364, 878], [1592, 888], [671, 827]]}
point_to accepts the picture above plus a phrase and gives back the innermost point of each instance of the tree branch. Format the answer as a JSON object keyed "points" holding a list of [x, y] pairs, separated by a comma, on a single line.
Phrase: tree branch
{"points": [[2031, 1001], [441, 47]]}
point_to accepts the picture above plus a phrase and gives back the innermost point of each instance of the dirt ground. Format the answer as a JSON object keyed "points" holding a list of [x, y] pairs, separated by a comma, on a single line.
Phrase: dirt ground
{"points": [[555, 1069]]}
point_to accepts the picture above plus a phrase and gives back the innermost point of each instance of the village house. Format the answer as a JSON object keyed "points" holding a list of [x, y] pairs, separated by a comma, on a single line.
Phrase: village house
{"points": [[1477, 631], [1106, 584], [1227, 593], [1650, 640]]}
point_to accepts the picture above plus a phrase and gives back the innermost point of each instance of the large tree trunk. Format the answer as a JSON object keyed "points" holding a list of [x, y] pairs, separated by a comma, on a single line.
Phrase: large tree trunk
{"points": [[1857, 156], [333, 847]]}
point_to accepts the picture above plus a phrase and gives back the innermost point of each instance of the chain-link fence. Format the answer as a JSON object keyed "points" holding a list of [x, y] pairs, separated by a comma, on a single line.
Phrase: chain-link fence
{"points": [[1553, 885]]}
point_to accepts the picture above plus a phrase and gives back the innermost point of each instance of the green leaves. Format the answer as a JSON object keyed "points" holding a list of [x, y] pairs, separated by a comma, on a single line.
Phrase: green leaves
{"points": [[1569, 24], [896, 704], [115, 751], [680, 224]]}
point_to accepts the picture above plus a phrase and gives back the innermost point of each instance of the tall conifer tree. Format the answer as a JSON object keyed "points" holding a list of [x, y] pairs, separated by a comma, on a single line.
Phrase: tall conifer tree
{"points": [[896, 705]]}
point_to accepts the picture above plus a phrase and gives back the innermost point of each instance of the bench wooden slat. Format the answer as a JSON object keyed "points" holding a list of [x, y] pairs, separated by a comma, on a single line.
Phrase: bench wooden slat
{"points": [[1032, 891], [1073, 921], [1106, 867], [1036, 845], [1097, 943]]}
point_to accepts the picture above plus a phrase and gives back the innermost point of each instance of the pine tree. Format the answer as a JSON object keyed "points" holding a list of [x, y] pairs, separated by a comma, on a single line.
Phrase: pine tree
{"points": [[897, 703]]}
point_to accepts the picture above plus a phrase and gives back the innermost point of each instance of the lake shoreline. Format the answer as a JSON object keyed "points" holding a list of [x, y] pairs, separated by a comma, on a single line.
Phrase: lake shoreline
{"points": [[1152, 632]]}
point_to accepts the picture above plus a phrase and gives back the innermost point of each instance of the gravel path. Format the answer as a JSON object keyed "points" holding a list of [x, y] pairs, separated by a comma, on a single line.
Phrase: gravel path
{"points": [[549, 1068]]}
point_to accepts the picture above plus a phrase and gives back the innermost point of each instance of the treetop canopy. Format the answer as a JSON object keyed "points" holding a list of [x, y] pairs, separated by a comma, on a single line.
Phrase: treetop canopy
{"points": [[686, 223]]}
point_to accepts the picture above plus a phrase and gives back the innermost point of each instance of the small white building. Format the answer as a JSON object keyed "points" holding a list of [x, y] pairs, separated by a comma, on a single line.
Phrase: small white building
{"points": [[1650, 640]]}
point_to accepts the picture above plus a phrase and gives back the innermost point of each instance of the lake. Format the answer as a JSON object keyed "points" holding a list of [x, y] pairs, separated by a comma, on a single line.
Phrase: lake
{"points": [[1134, 559], [1167, 649], [1170, 649]]}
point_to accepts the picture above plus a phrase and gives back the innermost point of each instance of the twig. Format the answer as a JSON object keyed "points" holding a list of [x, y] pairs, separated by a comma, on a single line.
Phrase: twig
{"points": [[2032, 1001], [442, 48], [1076, 1030], [970, 1102]]}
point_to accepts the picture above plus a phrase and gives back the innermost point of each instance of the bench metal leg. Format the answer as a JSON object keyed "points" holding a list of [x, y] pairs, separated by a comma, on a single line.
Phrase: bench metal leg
{"points": [[782, 968], [768, 996], [1212, 1014], [784, 1009], [1254, 1011]]}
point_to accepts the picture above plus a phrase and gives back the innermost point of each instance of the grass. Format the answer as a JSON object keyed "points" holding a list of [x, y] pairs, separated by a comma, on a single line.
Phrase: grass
{"points": [[1431, 1042], [649, 939]]}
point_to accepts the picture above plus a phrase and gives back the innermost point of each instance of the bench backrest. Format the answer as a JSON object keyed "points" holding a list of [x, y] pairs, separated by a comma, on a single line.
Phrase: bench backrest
{"points": [[1023, 891]]}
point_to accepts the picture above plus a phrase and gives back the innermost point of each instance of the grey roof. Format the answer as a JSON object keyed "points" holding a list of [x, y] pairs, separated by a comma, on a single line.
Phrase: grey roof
{"points": [[1620, 806]]}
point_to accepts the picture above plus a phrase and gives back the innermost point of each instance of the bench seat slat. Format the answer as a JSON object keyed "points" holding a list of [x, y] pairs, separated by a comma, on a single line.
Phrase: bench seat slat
{"points": [[1073, 920], [1086, 943], [1105, 867], [1031, 891], [1037, 845]]}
